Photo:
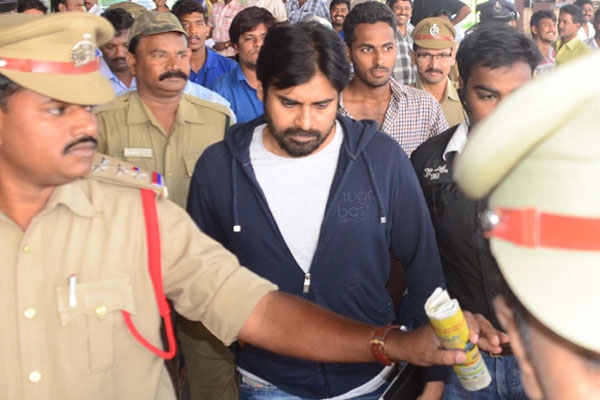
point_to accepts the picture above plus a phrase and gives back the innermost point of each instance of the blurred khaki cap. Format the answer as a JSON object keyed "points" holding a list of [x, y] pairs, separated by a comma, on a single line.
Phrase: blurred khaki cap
{"points": [[434, 33], [131, 7], [541, 167], [152, 23], [55, 55]]}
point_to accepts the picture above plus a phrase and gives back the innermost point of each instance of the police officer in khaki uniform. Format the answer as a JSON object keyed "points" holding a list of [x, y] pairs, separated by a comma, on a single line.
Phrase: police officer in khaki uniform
{"points": [[157, 127], [435, 56], [80, 304], [541, 174]]}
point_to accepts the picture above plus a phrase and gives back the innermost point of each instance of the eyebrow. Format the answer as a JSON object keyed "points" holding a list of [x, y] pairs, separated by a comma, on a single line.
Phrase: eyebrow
{"points": [[292, 101], [487, 89]]}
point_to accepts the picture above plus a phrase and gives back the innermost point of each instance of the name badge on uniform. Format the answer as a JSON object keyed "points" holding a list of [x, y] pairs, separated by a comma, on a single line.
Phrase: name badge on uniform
{"points": [[146, 153]]}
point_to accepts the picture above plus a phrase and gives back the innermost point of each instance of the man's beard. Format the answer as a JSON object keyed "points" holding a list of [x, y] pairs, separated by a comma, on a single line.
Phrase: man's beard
{"points": [[293, 148]]}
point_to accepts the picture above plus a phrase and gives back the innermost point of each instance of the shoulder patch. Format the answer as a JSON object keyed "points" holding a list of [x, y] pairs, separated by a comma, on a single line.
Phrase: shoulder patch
{"points": [[119, 102], [112, 170]]}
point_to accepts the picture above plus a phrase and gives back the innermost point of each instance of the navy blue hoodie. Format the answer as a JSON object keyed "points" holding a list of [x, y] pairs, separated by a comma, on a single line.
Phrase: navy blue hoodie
{"points": [[375, 204]]}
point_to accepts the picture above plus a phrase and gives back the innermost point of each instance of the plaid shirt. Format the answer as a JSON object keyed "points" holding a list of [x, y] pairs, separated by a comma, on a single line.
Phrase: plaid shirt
{"points": [[219, 20], [404, 70], [296, 13], [412, 117]]}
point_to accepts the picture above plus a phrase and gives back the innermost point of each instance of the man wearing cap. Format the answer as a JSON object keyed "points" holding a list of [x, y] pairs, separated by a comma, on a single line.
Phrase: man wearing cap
{"points": [[435, 51], [84, 273], [158, 127], [498, 11], [569, 46], [543, 226], [408, 115], [493, 60]]}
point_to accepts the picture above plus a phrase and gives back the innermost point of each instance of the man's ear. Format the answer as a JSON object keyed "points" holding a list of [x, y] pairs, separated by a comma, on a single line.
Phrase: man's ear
{"points": [[62, 7], [529, 379], [131, 62]]}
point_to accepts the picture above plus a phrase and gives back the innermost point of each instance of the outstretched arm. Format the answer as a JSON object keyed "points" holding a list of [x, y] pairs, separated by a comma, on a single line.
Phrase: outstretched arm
{"points": [[288, 325]]}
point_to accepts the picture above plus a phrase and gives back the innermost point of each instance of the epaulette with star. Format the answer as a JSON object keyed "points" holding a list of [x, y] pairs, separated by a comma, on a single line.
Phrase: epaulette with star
{"points": [[112, 170]]}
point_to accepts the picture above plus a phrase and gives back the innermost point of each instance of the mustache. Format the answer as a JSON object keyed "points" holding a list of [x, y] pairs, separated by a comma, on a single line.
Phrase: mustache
{"points": [[439, 71], [81, 140], [302, 132], [173, 74], [380, 68]]}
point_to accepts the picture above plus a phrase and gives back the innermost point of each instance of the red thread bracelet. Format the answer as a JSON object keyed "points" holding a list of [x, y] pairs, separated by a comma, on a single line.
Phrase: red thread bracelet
{"points": [[377, 343]]}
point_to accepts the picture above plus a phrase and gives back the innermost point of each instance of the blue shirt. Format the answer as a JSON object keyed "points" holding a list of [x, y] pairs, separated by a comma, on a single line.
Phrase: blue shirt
{"points": [[234, 87], [297, 12], [214, 66]]}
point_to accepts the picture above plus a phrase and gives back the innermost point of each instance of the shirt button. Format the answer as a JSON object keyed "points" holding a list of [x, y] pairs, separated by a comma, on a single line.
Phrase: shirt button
{"points": [[101, 311], [29, 312], [27, 249], [35, 376]]}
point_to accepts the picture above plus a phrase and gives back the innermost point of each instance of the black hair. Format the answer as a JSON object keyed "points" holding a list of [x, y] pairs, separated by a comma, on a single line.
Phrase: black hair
{"points": [[596, 15], [293, 54], [119, 19], [337, 2], [538, 16], [185, 7], [494, 46], [54, 4], [247, 20], [580, 3], [23, 5], [440, 12], [7, 89], [390, 3], [369, 12], [573, 10], [133, 43]]}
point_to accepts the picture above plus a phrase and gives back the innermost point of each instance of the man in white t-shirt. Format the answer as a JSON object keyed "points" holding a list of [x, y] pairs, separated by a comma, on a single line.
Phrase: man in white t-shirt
{"points": [[317, 203]]}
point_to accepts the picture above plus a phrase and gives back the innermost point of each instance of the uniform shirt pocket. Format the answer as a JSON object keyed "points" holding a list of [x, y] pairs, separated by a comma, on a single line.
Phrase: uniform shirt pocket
{"points": [[90, 325]]}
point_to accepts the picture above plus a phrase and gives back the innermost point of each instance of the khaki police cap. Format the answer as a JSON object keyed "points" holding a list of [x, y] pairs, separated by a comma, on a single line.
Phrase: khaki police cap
{"points": [[434, 33], [542, 168], [152, 23], [131, 7], [55, 55]]}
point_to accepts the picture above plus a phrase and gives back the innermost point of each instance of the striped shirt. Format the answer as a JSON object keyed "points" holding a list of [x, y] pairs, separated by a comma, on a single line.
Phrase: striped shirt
{"points": [[412, 117], [219, 20]]}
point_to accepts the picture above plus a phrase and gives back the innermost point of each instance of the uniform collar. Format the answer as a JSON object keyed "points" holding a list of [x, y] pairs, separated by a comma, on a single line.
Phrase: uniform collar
{"points": [[138, 113], [74, 196]]}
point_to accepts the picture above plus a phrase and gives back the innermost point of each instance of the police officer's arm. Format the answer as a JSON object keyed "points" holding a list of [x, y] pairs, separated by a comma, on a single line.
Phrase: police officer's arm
{"points": [[289, 325], [461, 14]]}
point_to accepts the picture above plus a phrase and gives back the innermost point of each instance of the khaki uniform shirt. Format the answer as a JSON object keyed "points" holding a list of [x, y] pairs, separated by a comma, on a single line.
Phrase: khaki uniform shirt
{"points": [[451, 105], [130, 132], [95, 230]]}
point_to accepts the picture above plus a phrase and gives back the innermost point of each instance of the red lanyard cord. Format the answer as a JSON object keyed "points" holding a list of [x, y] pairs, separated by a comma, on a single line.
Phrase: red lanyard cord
{"points": [[154, 266]]}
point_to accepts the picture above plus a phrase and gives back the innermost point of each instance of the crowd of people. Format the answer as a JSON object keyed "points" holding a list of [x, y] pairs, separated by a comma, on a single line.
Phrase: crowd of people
{"points": [[253, 200]]}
